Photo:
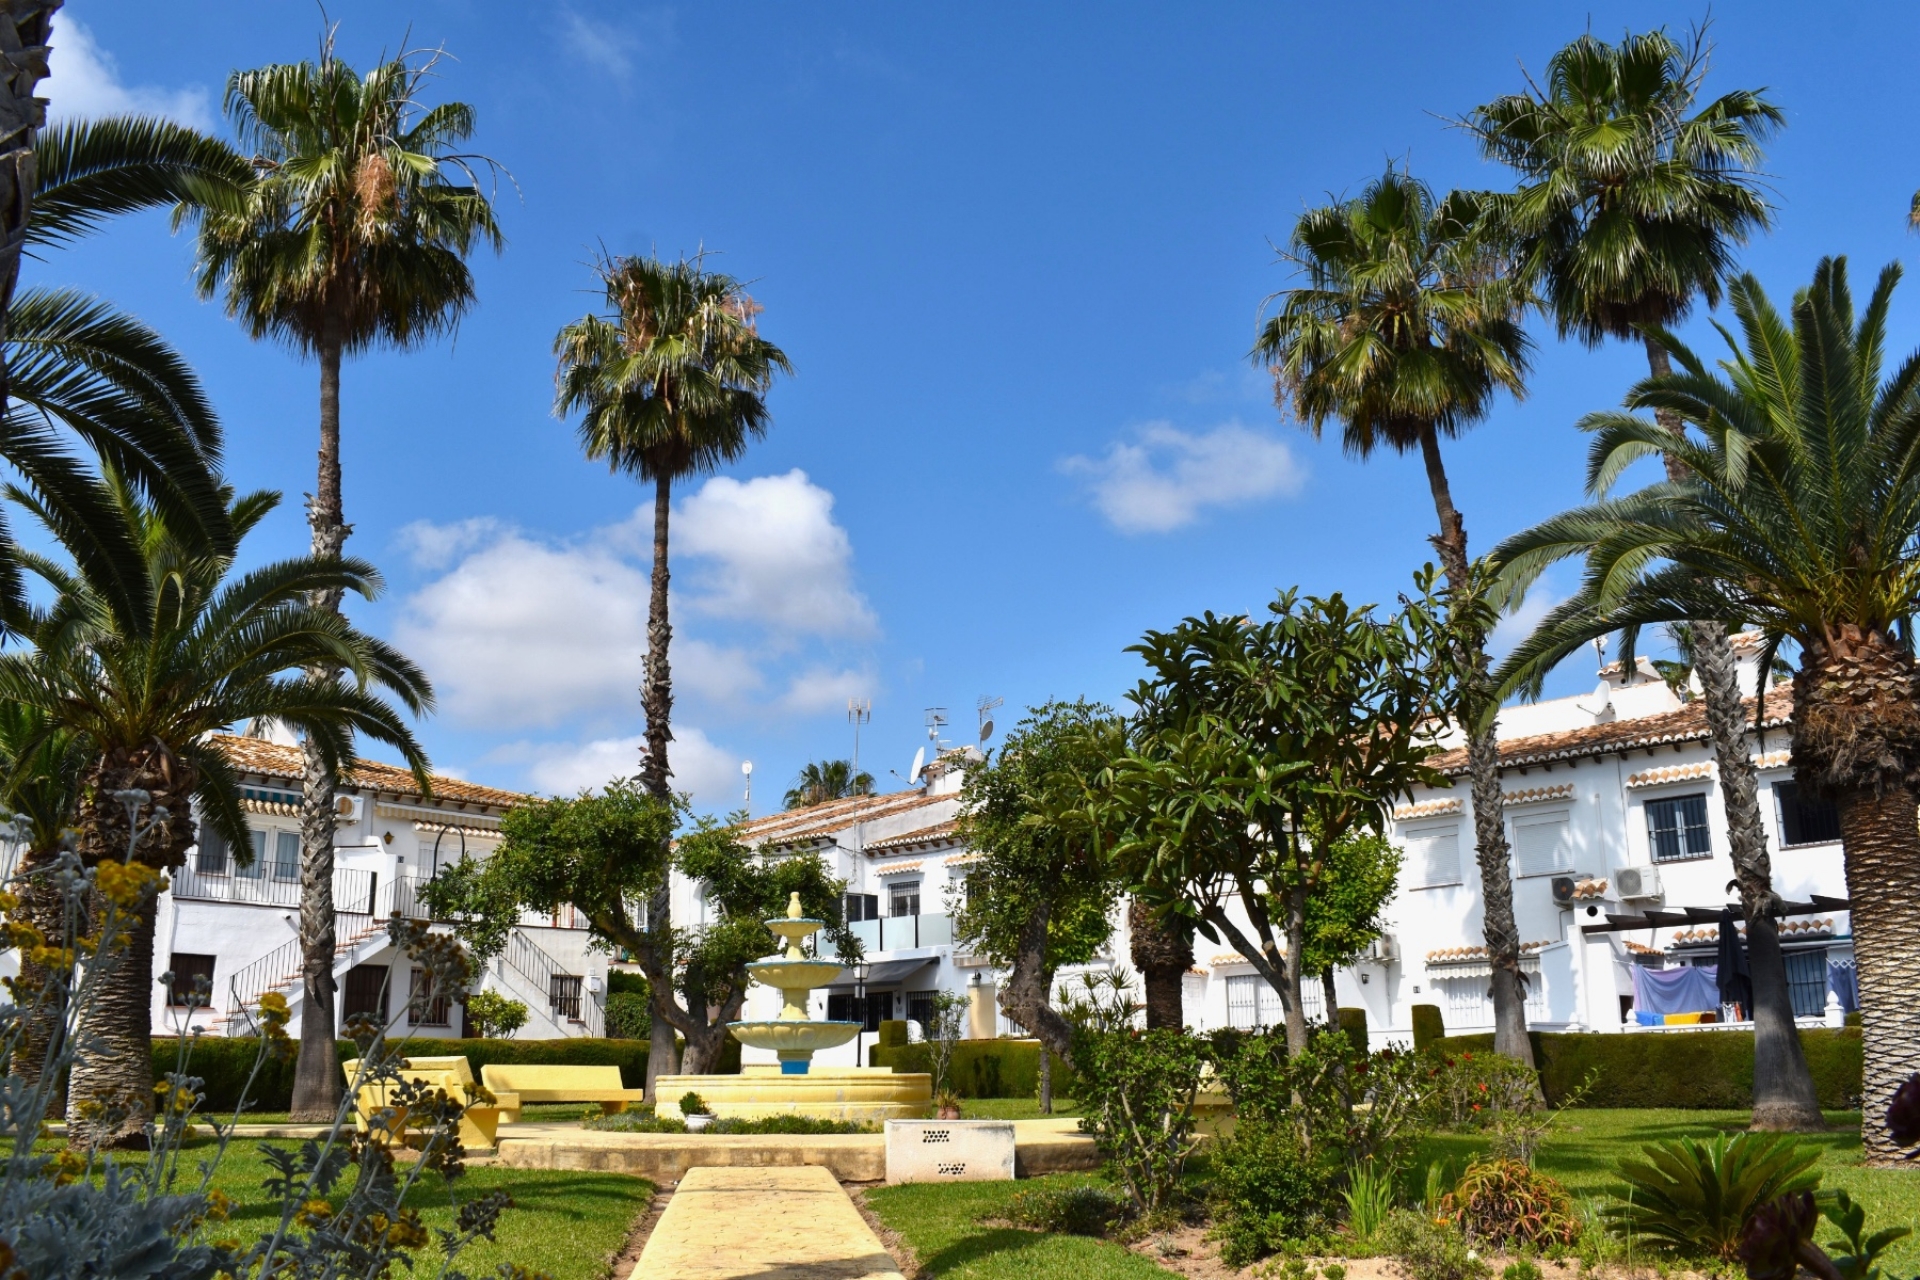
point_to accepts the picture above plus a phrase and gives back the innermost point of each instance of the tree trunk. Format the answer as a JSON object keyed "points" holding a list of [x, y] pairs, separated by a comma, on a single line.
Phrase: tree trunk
{"points": [[110, 1093], [1163, 953], [1856, 740], [1046, 1081], [40, 992], [24, 27], [1027, 997], [1489, 807], [1784, 1097], [656, 774], [1331, 997], [1296, 943], [317, 1084]]}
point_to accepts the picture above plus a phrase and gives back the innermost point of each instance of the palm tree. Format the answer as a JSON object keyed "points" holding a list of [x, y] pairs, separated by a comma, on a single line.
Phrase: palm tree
{"points": [[1404, 331], [1797, 511], [143, 672], [824, 780], [671, 381], [25, 26], [1632, 197], [355, 233]]}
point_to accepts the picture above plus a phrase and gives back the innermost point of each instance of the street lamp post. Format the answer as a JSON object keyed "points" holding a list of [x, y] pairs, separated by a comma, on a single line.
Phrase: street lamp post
{"points": [[860, 971]]}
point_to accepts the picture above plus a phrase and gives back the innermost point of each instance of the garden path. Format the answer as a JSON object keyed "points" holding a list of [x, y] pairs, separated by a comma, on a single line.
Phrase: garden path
{"points": [[769, 1223]]}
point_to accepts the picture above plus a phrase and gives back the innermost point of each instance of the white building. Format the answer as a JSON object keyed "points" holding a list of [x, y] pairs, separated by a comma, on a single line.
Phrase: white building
{"points": [[238, 927]]}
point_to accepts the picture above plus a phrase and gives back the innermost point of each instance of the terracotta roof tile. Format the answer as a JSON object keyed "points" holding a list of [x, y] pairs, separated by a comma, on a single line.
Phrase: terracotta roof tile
{"points": [[937, 834], [256, 755], [823, 821], [1688, 724]]}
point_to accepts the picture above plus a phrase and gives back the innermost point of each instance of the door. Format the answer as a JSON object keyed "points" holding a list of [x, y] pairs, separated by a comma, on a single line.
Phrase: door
{"points": [[365, 992]]}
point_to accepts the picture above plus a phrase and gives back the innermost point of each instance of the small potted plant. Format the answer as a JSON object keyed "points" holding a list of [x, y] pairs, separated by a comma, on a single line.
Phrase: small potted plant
{"points": [[694, 1110], [946, 1105]]}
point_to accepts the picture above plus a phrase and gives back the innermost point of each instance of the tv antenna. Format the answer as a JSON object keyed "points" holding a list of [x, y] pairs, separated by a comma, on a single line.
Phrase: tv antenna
{"points": [[859, 712], [936, 721], [986, 707], [746, 768]]}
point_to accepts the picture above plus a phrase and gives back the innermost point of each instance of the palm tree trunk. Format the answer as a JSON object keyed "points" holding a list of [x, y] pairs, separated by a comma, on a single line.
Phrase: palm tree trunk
{"points": [[24, 28], [1489, 806], [41, 992], [1163, 954], [1784, 1097], [317, 1085], [110, 1091], [663, 1056]]}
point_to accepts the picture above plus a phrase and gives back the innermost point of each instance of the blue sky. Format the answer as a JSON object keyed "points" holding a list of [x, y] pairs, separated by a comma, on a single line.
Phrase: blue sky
{"points": [[1015, 255]]}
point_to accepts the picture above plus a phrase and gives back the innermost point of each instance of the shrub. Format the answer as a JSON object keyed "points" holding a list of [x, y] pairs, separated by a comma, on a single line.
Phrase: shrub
{"points": [[627, 982], [1506, 1201], [692, 1104], [983, 1068], [1521, 1269], [1359, 1106], [1369, 1198], [636, 1122], [893, 1031], [628, 1016], [1429, 1250], [1139, 1091], [1428, 1026], [497, 1016], [1075, 1211], [790, 1124], [1265, 1190], [1712, 1070], [1695, 1197]]}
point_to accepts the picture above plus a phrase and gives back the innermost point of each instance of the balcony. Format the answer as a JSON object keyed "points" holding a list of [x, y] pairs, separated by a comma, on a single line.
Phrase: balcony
{"points": [[899, 933], [354, 892]]}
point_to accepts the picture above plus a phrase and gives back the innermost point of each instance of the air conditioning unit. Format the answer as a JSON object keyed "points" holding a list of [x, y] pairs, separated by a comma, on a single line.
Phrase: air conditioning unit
{"points": [[348, 808], [1637, 882], [1563, 887], [1384, 949]]}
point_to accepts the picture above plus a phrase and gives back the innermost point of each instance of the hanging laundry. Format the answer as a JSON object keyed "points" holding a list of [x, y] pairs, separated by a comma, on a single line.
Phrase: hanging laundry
{"points": [[1688, 989]]}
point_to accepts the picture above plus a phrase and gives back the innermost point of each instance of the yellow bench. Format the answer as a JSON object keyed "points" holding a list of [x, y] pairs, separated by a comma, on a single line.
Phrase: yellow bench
{"points": [[479, 1122], [528, 1082]]}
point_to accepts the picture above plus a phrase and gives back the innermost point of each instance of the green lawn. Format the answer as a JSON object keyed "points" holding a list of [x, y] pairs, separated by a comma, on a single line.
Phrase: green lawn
{"points": [[567, 1224], [941, 1224], [1013, 1108]]}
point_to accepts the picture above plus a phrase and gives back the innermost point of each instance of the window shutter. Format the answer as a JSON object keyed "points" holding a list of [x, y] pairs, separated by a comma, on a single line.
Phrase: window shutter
{"points": [[1433, 857], [1542, 845]]}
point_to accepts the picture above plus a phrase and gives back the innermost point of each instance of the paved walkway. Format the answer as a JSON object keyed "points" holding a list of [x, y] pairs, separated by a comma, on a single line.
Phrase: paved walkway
{"points": [[770, 1224]]}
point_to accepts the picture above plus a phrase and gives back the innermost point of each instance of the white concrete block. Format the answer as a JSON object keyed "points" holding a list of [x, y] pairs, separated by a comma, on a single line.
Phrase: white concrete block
{"points": [[949, 1150]]}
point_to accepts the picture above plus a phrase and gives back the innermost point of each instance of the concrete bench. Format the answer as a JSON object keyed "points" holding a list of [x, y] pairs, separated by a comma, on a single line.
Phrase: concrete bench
{"points": [[529, 1082], [479, 1121]]}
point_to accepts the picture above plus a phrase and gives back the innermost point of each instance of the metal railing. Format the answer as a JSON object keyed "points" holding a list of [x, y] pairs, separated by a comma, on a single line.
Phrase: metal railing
{"points": [[353, 891], [538, 967]]}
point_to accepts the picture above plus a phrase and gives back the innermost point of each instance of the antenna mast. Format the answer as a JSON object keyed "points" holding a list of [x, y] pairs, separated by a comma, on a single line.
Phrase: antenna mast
{"points": [[859, 712]]}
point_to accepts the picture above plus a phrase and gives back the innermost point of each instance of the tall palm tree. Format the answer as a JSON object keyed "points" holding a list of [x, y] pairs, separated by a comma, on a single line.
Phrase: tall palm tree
{"points": [[25, 26], [1797, 511], [1404, 331], [670, 381], [143, 672], [1632, 198], [823, 780], [354, 234]]}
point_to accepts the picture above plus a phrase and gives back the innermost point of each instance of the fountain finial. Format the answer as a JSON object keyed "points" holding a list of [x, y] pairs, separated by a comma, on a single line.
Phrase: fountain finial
{"points": [[794, 911]]}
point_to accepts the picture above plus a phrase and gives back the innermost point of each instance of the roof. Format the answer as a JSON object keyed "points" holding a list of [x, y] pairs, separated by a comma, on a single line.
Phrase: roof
{"points": [[1687, 724], [257, 755], [937, 834], [821, 822]]}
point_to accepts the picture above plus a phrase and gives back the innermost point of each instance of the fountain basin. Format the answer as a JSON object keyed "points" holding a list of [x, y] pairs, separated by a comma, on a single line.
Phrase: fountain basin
{"points": [[794, 975], [870, 1094], [795, 1041]]}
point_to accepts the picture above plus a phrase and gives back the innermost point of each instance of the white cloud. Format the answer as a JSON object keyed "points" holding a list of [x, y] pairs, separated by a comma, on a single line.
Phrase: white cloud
{"points": [[822, 688], [1518, 623], [83, 82], [709, 771], [774, 555], [1165, 478], [598, 44], [435, 546]]}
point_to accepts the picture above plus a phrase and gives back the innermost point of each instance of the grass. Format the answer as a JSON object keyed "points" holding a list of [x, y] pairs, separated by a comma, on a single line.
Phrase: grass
{"points": [[545, 1112], [1013, 1108], [567, 1224], [941, 1224]]}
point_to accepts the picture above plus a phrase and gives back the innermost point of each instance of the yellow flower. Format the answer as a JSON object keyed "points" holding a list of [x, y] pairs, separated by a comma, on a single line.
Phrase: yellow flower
{"points": [[127, 885], [219, 1205]]}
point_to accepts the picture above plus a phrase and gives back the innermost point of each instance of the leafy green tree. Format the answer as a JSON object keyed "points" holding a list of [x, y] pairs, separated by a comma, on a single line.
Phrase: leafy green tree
{"points": [[1041, 896], [1343, 914], [608, 851], [354, 233], [495, 1014], [1797, 512], [144, 672], [1257, 747], [823, 780], [670, 382], [1632, 198], [1405, 329]]}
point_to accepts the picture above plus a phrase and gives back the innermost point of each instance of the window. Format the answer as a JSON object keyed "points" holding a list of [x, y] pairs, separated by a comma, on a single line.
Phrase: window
{"points": [[258, 867], [192, 985], [366, 992], [1432, 856], [1807, 982], [211, 859], [903, 899], [1677, 828], [1252, 1002], [852, 1008], [563, 995], [920, 1009], [862, 906], [1542, 844], [425, 1007], [1805, 821], [286, 855]]}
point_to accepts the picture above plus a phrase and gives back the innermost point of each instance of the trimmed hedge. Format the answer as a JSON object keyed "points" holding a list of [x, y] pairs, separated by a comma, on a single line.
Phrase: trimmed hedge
{"points": [[1429, 1027], [1354, 1023], [982, 1068], [1692, 1070]]}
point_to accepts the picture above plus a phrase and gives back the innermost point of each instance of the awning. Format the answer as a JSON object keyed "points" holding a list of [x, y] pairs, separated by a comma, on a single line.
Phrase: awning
{"points": [[884, 973]]}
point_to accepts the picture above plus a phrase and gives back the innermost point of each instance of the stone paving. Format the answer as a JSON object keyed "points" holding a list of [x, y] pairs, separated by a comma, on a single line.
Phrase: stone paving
{"points": [[770, 1224]]}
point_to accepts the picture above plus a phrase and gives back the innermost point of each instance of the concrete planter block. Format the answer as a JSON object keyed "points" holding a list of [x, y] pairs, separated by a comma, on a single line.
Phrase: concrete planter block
{"points": [[949, 1150]]}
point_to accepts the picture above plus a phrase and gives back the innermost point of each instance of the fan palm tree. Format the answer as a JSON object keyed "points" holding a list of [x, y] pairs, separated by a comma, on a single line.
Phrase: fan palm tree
{"points": [[824, 780], [354, 234], [1404, 331], [1632, 198], [1797, 511], [671, 381], [143, 672]]}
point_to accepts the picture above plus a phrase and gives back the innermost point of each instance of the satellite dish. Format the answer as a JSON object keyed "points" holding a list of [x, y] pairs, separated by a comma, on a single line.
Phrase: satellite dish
{"points": [[986, 731], [919, 763]]}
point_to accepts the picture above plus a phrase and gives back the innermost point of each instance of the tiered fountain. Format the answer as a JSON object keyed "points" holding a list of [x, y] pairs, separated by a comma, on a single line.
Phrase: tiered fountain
{"points": [[794, 1087]]}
